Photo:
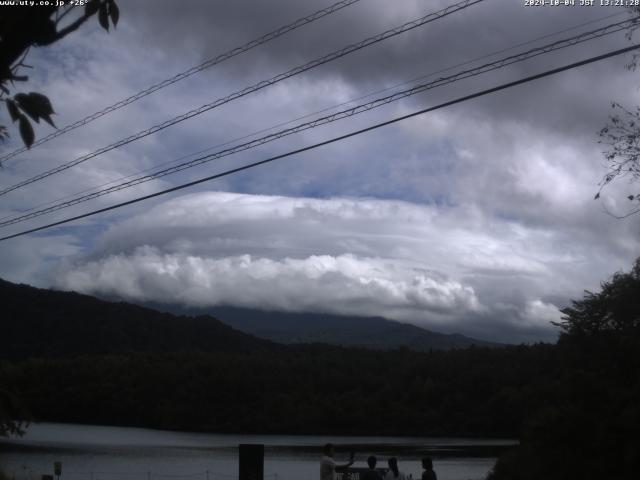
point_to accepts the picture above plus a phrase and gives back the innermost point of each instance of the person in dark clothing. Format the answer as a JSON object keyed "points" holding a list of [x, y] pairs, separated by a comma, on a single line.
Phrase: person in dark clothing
{"points": [[394, 473], [372, 473], [429, 473]]}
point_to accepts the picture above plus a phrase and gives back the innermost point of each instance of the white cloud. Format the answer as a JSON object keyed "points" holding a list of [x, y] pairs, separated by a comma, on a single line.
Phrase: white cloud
{"points": [[343, 284], [340, 255], [539, 313]]}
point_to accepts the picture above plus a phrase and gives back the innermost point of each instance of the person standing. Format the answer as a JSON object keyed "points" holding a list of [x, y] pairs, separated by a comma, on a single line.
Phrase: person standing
{"points": [[394, 473], [429, 473], [328, 465], [372, 473]]}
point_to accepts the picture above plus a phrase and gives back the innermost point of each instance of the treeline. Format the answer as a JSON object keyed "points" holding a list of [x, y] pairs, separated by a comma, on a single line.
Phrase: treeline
{"points": [[588, 427], [321, 389], [575, 406]]}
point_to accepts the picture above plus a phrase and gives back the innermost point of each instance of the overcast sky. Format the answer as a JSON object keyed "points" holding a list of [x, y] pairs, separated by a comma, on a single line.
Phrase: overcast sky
{"points": [[477, 218]]}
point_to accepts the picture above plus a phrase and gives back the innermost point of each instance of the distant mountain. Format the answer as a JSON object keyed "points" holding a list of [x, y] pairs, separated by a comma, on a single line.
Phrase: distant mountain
{"points": [[75, 358], [47, 323], [369, 332]]}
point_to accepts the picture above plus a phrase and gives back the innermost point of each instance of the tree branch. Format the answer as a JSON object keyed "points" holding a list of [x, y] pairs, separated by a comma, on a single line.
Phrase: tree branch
{"points": [[71, 27], [64, 14]]}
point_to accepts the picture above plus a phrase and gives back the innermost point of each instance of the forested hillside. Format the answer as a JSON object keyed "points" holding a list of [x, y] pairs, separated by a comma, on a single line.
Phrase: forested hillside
{"points": [[300, 390], [48, 323], [575, 406], [75, 358]]}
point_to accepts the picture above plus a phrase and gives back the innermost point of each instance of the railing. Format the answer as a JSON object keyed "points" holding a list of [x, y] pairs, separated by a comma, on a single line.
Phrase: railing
{"points": [[354, 473]]}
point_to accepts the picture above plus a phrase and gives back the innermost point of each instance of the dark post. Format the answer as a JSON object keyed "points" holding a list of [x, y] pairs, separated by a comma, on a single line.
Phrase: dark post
{"points": [[251, 460]]}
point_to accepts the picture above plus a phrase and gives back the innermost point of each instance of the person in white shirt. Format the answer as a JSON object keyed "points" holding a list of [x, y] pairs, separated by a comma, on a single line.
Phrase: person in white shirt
{"points": [[328, 465], [394, 473]]}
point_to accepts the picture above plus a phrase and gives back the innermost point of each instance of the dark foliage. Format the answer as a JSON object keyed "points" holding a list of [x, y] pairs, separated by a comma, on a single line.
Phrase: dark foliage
{"points": [[614, 310], [22, 28], [72, 357], [13, 413], [622, 135], [589, 426], [47, 323], [297, 390], [574, 405]]}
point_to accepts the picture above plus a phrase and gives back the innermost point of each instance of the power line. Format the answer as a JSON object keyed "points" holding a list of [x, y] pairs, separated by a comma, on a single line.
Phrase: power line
{"points": [[187, 73], [333, 140], [510, 60], [258, 86], [288, 122]]}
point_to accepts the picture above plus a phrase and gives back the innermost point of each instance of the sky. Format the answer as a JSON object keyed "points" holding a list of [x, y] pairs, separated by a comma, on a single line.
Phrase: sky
{"points": [[477, 218]]}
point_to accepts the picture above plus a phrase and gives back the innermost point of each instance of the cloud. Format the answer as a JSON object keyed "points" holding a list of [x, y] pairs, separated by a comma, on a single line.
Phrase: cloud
{"points": [[447, 268], [343, 284], [25, 261], [538, 312], [480, 217]]}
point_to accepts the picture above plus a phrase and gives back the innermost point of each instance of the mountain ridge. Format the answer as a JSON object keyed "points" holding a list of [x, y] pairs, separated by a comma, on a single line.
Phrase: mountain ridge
{"points": [[51, 323], [347, 331], [42, 323]]}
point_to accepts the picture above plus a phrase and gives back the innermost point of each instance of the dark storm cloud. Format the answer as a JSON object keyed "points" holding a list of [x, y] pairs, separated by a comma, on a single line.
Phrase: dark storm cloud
{"points": [[211, 27]]}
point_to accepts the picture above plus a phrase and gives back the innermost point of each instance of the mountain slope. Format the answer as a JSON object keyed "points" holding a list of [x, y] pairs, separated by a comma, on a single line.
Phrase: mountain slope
{"points": [[370, 332], [47, 323]]}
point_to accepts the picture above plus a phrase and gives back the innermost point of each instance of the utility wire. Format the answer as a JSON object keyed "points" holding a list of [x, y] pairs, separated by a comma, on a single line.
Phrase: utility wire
{"points": [[258, 86], [333, 140], [333, 107], [187, 73], [545, 49]]}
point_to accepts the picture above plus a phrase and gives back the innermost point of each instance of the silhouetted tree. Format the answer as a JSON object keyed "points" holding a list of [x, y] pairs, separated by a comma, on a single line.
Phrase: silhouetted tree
{"points": [[23, 27], [13, 414], [589, 424], [614, 309], [622, 136]]}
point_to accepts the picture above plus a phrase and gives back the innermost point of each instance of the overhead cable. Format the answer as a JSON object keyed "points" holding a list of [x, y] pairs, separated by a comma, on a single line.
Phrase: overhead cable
{"points": [[311, 114], [187, 73], [245, 91], [534, 52], [332, 140]]}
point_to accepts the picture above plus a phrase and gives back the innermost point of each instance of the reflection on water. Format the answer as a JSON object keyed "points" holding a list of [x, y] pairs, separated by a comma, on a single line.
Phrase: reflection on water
{"points": [[114, 453]]}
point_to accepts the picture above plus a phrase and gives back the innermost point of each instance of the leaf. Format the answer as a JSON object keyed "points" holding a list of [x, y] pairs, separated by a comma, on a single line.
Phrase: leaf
{"points": [[26, 105], [36, 105], [26, 131], [114, 12], [42, 103], [91, 7], [48, 119], [103, 16], [14, 113]]}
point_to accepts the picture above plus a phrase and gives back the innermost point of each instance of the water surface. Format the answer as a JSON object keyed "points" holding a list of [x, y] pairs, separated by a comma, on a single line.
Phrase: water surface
{"points": [[118, 453]]}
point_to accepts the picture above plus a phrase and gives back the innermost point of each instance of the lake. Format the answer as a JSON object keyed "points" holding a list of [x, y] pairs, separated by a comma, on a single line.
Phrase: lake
{"points": [[117, 453]]}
